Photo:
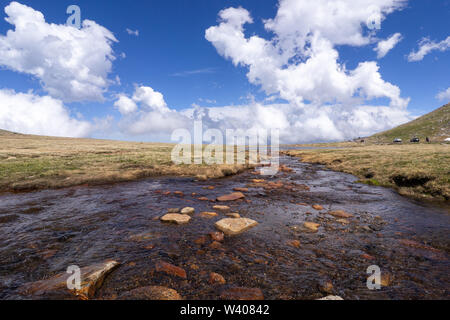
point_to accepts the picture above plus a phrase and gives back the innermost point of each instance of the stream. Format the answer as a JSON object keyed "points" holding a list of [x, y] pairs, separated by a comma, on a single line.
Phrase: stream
{"points": [[42, 233]]}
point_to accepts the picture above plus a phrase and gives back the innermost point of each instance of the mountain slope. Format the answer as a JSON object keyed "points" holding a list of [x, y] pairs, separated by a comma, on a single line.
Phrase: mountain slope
{"points": [[435, 125]]}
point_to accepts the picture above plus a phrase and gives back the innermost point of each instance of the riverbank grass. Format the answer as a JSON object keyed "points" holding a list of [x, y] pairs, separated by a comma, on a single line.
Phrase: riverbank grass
{"points": [[421, 171]]}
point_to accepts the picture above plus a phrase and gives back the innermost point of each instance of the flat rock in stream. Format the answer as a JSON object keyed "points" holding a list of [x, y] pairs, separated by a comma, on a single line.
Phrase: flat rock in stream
{"points": [[176, 218], [151, 293], [56, 287], [231, 197], [340, 214], [222, 209], [311, 226], [188, 210], [232, 227]]}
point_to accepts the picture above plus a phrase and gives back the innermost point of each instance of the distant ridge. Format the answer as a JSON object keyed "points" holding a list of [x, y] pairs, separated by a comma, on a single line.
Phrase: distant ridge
{"points": [[434, 125]]}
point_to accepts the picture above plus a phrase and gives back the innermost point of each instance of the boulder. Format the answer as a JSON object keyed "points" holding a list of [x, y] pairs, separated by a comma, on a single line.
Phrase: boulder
{"points": [[231, 226], [231, 197], [151, 293], [57, 288], [176, 218]]}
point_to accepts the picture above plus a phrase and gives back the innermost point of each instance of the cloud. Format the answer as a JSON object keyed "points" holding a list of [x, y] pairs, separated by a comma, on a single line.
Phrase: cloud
{"points": [[193, 72], [301, 63], [132, 32], [146, 112], [384, 46], [42, 115], [444, 95], [72, 64], [426, 46]]}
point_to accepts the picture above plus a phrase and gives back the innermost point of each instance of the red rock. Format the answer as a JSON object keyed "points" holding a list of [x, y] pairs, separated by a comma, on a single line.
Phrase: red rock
{"points": [[217, 236], [170, 269], [149, 247], [167, 193], [215, 278], [367, 256], [241, 189], [215, 245], [294, 243], [179, 193], [231, 197], [238, 293]]}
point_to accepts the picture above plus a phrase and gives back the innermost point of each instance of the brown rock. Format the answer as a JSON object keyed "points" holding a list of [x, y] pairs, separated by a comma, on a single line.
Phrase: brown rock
{"points": [[386, 279], [238, 293], [151, 293], [170, 269], [217, 236], [179, 193], [222, 209], [232, 227], [294, 243], [208, 214], [176, 218], [173, 210], [231, 197], [313, 227], [326, 287], [317, 207], [203, 199], [340, 214], [91, 279], [259, 181], [233, 215], [241, 189], [215, 278], [200, 241], [188, 210], [215, 245]]}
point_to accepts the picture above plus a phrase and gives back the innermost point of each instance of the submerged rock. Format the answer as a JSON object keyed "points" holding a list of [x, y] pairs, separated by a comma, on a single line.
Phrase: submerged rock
{"points": [[176, 218], [91, 279], [208, 214], [231, 226], [233, 215], [317, 207], [173, 210], [151, 293], [231, 197], [215, 278], [238, 293], [170, 269], [340, 214]]}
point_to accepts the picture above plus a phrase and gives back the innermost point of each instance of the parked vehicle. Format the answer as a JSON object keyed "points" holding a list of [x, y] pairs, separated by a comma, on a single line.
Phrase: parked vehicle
{"points": [[398, 140], [415, 140]]}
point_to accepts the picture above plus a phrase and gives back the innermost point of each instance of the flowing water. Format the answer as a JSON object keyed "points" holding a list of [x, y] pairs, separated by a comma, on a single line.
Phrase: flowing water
{"points": [[42, 233]]}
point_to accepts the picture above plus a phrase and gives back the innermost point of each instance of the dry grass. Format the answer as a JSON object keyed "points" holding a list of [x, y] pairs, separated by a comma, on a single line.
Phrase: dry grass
{"points": [[420, 171], [34, 162]]}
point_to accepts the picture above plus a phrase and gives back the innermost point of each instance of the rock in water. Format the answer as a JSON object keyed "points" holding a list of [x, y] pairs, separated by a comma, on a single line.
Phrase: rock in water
{"points": [[317, 207], [331, 298], [151, 293], [170, 269], [215, 278], [188, 210], [242, 294], [313, 227], [222, 209], [176, 218], [231, 197], [340, 214], [208, 214], [56, 288], [231, 226]]}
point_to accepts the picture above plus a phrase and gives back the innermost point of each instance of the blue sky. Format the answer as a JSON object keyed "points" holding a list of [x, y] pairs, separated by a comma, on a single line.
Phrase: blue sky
{"points": [[172, 55]]}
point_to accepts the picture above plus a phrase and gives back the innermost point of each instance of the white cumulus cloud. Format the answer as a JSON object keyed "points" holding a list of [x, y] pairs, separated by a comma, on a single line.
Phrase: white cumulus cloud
{"points": [[426, 46], [384, 46], [72, 64], [444, 95], [43, 115]]}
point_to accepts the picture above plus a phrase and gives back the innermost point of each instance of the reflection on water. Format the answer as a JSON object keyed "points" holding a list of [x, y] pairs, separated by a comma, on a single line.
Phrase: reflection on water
{"points": [[42, 233]]}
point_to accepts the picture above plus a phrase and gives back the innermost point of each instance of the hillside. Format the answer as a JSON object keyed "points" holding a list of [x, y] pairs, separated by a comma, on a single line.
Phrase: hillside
{"points": [[435, 125]]}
